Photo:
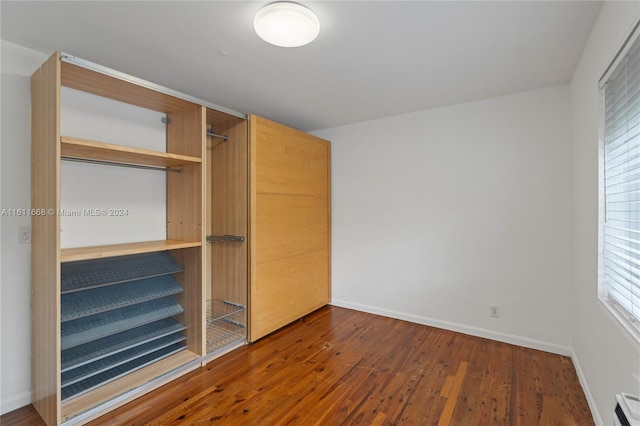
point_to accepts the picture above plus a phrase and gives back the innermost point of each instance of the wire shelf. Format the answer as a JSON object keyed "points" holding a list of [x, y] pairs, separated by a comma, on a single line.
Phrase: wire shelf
{"points": [[224, 332], [94, 327], [218, 309], [96, 300], [111, 345], [85, 274], [93, 382], [225, 323]]}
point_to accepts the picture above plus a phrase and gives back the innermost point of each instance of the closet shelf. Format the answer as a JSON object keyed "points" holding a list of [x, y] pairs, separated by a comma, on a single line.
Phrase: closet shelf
{"points": [[86, 371], [219, 309], [225, 323], [72, 407], [97, 252], [94, 273], [94, 327], [102, 299], [82, 149], [119, 371], [224, 332], [108, 346]]}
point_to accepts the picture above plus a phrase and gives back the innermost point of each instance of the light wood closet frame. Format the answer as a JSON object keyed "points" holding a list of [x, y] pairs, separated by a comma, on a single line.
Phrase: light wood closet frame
{"points": [[267, 183], [185, 230]]}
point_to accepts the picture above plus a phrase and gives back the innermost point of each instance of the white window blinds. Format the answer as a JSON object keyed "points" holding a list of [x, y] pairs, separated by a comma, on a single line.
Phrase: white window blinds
{"points": [[621, 230]]}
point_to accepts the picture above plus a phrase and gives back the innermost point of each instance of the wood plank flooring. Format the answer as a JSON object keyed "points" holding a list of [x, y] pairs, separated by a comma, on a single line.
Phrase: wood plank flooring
{"points": [[342, 367]]}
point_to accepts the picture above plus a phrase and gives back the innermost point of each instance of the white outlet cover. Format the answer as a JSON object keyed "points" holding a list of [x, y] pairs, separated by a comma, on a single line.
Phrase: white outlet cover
{"points": [[24, 235]]}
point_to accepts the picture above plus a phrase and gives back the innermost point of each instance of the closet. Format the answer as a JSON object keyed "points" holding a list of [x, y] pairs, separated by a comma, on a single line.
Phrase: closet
{"points": [[243, 247], [290, 218]]}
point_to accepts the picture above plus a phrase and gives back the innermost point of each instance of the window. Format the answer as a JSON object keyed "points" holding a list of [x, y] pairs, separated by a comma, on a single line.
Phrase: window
{"points": [[620, 185]]}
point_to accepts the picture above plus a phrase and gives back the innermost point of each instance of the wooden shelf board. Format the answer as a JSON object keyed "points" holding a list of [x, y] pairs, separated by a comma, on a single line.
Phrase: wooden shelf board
{"points": [[97, 252], [100, 151], [118, 89], [75, 406]]}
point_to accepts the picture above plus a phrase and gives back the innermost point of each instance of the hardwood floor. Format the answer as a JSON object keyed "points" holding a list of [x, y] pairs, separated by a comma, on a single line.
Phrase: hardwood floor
{"points": [[337, 366]]}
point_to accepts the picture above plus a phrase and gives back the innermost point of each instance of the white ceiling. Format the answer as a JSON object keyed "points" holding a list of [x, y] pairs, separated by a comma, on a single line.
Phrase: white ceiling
{"points": [[371, 60]]}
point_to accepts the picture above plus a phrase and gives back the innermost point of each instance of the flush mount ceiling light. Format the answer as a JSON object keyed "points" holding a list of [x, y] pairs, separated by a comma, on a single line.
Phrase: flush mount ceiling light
{"points": [[286, 24]]}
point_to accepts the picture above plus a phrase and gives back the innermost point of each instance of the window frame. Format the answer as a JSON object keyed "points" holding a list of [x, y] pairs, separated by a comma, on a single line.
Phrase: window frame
{"points": [[621, 317]]}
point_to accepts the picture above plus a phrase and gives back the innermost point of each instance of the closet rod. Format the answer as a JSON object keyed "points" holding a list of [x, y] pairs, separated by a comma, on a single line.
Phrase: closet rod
{"points": [[223, 238], [215, 135], [132, 166]]}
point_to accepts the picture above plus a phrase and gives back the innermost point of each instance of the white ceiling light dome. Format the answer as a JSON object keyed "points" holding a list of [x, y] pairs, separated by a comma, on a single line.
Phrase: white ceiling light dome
{"points": [[286, 24]]}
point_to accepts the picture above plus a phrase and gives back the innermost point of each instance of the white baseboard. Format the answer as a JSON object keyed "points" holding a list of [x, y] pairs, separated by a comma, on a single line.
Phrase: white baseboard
{"points": [[14, 402], [460, 328], [597, 418]]}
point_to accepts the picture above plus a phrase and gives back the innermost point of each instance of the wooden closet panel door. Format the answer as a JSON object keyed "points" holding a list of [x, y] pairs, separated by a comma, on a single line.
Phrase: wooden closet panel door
{"points": [[290, 225], [290, 161], [289, 288]]}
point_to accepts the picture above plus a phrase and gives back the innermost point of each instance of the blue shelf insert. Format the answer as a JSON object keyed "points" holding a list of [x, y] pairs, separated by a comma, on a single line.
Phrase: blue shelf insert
{"points": [[94, 327], [111, 345], [85, 274], [116, 317], [88, 370], [80, 304], [100, 379]]}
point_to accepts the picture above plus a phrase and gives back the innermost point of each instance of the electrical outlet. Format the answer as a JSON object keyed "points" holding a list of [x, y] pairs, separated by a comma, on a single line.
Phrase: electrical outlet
{"points": [[24, 235], [494, 311]]}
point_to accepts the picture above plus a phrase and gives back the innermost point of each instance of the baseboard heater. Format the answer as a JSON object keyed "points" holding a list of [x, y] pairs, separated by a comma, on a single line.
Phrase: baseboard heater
{"points": [[627, 411]]}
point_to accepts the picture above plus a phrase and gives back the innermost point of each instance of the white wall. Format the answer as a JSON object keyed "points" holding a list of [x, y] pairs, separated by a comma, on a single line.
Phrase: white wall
{"points": [[438, 214], [18, 64], [141, 194], [607, 360]]}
